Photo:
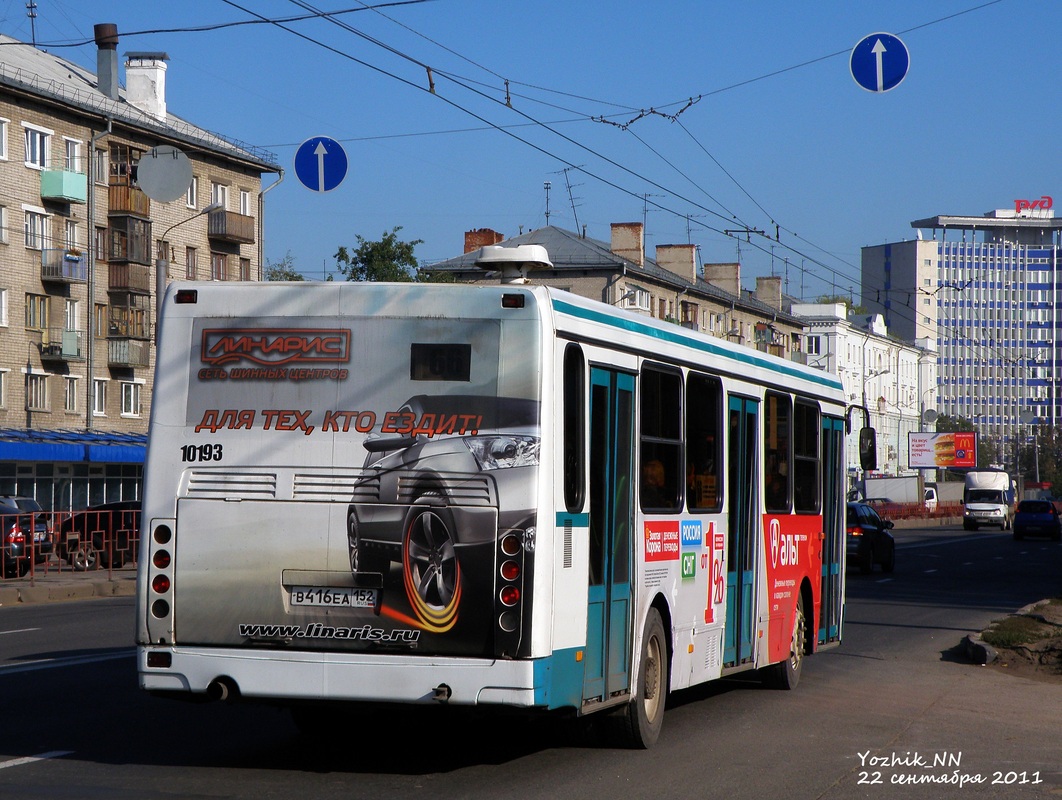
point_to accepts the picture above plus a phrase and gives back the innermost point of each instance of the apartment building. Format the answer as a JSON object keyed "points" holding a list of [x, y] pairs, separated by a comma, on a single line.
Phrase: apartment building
{"points": [[82, 248], [987, 289]]}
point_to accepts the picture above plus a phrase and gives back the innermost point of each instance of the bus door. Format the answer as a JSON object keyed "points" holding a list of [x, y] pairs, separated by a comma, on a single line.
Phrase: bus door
{"points": [[741, 534], [607, 663], [833, 527]]}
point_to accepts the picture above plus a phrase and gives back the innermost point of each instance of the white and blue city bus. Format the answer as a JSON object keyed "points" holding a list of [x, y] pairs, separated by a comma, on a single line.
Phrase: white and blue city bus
{"points": [[480, 496]]}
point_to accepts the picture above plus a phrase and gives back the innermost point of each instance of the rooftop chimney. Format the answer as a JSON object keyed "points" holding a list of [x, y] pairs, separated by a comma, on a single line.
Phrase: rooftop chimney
{"points": [[145, 82], [628, 241], [482, 237], [679, 259], [106, 34], [726, 276], [769, 290]]}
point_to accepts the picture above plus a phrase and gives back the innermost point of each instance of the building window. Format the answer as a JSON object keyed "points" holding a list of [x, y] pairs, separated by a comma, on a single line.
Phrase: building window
{"points": [[3, 308], [99, 167], [245, 269], [37, 147], [72, 156], [245, 202], [3, 224], [193, 193], [131, 399], [3, 388], [36, 229], [218, 264], [36, 312], [37, 392], [100, 315], [219, 193], [99, 397], [70, 395], [101, 244], [70, 230], [189, 263], [3, 139], [814, 345]]}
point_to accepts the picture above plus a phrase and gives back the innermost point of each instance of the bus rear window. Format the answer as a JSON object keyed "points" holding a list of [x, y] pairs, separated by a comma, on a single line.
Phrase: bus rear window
{"points": [[440, 362]]}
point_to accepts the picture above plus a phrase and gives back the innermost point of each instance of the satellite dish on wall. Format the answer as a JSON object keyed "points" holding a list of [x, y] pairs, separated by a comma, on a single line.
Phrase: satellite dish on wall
{"points": [[164, 173], [929, 416]]}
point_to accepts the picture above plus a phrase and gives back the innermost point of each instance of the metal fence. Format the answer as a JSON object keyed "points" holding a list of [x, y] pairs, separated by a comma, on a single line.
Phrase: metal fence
{"points": [[45, 542]]}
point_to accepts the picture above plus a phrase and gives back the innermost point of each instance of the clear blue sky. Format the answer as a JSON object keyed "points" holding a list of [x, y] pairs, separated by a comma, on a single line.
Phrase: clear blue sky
{"points": [[778, 132]]}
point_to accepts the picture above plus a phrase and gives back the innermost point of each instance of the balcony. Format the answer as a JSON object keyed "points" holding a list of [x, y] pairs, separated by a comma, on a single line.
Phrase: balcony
{"points": [[129, 317], [60, 344], [129, 278], [127, 200], [63, 266], [228, 226], [127, 353], [63, 187]]}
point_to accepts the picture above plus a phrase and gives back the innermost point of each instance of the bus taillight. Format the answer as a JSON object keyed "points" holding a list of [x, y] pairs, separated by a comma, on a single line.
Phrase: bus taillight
{"points": [[510, 570], [161, 559], [509, 595], [161, 584]]}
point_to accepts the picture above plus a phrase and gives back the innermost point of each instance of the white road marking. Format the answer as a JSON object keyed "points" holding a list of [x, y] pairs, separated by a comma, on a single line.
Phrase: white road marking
{"points": [[20, 630], [19, 762]]}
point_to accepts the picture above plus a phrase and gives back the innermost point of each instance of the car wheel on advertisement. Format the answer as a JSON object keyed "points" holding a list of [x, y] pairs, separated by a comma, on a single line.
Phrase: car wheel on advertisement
{"points": [[644, 716], [359, 560], [786, 675], [430, 570]]}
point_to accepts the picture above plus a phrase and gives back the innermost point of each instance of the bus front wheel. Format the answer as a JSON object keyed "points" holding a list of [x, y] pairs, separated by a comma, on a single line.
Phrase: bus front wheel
{"points": [[645, 715]]}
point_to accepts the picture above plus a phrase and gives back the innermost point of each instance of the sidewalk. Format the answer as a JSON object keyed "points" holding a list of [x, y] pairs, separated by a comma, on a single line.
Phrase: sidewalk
{"points": [[56, 586]]}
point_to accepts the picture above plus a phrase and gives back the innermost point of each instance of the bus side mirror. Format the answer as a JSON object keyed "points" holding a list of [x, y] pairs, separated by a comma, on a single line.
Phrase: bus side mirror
{"points": [[868, 449]]}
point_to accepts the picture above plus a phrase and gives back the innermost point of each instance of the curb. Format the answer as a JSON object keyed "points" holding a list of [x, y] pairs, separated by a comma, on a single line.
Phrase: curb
{"points": [[977, 651], [59, 591]]}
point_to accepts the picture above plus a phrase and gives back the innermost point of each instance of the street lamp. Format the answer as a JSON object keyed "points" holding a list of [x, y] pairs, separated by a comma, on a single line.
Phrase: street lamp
{"points": [[162, 263]]}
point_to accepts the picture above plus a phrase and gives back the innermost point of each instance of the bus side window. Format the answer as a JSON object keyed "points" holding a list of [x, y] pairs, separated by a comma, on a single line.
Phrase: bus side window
{"points": [[703, 440], [807, 477], [661, 440], [574, 428], [777, 460]]}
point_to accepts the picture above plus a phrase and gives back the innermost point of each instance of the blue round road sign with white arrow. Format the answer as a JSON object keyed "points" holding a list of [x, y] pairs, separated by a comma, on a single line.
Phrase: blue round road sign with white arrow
{"points": [[320, 164], [879, 62]]}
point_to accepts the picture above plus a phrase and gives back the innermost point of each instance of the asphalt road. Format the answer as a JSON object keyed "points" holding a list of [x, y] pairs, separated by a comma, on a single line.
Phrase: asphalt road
{"points": [[894, 704]]}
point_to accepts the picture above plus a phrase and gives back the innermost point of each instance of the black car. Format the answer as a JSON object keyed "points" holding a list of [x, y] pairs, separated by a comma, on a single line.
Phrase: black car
{"points": [[869, 539], [105, 534], [1037, 518], [24, 534]]}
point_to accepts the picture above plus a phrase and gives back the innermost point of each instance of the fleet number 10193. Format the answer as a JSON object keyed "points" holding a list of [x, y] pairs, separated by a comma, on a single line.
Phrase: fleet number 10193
{"points": [[201, 452]]}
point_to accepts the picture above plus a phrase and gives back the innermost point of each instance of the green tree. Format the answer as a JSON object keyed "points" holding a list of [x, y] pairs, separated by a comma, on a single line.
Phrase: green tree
{"points": [[283, 270], [389, 259]]}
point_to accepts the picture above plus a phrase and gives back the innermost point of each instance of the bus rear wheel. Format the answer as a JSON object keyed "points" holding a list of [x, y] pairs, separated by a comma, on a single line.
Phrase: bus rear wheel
{"points": [[644, 717], [786, 675]]}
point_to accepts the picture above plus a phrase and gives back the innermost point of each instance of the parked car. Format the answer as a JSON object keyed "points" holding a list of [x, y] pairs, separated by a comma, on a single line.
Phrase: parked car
{"points": [[869, 538], [1037, 518], [103, 534], [24, 531]]}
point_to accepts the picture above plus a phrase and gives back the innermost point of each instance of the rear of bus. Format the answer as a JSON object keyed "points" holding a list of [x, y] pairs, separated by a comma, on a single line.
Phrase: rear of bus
{"points": [[340, 493]]}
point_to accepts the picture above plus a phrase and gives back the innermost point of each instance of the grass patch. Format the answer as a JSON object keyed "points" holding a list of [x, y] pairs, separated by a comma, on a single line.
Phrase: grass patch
{"points": [[1018, 630]]}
